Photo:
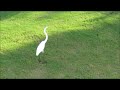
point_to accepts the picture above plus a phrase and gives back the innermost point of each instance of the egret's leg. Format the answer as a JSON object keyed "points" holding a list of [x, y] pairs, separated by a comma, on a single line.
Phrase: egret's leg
{"points": [[44, 61], [39, 59]]}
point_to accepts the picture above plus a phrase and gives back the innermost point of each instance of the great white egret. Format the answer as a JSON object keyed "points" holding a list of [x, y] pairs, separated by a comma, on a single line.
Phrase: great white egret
{"points": [[41, 46]]}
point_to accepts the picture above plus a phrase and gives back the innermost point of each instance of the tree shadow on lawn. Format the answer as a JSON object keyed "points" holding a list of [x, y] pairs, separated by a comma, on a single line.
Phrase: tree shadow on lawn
{"points": [[105, 15], [49, 15], [8, 14], [74, 54]]}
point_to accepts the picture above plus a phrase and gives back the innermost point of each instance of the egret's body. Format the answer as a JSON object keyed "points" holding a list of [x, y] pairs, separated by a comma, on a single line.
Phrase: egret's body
{"points": [[41, 46]]}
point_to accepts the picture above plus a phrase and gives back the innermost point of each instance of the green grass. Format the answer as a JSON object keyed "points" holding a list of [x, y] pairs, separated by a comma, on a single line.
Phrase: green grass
{"points": [[80, 44]]}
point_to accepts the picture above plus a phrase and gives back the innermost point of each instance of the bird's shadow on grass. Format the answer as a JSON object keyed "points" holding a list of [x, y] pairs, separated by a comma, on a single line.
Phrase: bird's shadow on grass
{"points": [[74, 46]]}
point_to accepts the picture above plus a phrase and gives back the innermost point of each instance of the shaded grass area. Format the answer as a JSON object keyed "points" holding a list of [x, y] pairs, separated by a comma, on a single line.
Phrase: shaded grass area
{"points": [[80, 45]]}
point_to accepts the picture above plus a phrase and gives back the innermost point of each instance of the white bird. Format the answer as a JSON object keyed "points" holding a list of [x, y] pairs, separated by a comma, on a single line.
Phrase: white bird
{"points": [[41, 46]]}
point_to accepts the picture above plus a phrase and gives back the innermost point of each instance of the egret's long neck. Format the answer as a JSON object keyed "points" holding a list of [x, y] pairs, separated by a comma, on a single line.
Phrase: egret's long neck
{"points": [[45, 34]]}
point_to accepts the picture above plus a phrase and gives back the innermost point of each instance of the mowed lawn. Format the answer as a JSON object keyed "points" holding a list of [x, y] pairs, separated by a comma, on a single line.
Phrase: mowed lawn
{"points": [[81, 44]]}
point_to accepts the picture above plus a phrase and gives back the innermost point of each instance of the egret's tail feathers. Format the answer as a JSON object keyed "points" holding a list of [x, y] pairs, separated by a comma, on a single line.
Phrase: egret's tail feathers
{"points": [[37, 53]]}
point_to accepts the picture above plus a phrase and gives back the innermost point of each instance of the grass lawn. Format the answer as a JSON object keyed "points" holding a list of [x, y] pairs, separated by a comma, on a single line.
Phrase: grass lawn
{"points": [[80, 44]]}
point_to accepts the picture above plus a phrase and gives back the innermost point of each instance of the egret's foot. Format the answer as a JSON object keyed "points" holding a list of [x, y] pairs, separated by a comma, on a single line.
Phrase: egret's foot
{"points": [[39, 60], [42, 61]]}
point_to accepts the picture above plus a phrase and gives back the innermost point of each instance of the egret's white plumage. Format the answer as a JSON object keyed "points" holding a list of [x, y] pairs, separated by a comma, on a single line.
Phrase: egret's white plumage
{"points": [[41, 46]]}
